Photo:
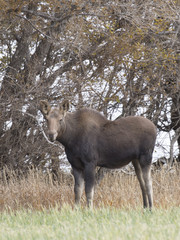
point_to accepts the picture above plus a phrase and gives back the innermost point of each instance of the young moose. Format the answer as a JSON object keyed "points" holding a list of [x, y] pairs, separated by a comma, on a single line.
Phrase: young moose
{"points": [[91, 140]]}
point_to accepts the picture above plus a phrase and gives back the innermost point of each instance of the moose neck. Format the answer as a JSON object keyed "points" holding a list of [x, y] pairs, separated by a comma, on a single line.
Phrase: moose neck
{"points": [[69, 131]]}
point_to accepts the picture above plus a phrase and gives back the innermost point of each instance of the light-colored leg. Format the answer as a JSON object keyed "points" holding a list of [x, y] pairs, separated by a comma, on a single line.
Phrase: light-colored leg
{"points": [[148, 184], [145, 163], [78, 186], [138, 171]]}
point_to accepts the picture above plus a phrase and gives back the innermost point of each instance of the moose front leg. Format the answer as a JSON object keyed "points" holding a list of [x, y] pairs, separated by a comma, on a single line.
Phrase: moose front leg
{"points": [[89, 175], [78, 185]]}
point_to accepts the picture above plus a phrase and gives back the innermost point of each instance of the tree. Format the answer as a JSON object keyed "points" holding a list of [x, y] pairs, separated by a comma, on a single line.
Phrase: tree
{"points": [[115, 56]]}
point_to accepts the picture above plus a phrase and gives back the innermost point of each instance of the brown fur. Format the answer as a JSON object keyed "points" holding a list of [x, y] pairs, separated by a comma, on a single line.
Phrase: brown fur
{"points": [[91, 140]]}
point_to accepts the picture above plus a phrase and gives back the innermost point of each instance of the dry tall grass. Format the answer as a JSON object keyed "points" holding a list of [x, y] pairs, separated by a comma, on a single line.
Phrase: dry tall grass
{"points": [[37, 191]]}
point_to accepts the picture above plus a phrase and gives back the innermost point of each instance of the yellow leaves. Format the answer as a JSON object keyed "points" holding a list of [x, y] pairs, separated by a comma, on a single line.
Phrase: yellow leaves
{"points": [[151, 98], [111, 26], [161, 25], [158, 84], [148, 78]]}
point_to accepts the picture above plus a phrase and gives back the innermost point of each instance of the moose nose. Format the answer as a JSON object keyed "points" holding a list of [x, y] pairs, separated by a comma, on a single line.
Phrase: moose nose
{"points": [[52, 136]]}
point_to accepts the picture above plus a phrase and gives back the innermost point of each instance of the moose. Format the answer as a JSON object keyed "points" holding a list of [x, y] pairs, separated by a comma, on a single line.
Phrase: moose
{"points": [[90, 140]]}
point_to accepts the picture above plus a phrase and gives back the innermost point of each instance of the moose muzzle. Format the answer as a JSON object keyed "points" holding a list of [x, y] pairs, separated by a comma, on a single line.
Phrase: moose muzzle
{"points": [[53, 136]]}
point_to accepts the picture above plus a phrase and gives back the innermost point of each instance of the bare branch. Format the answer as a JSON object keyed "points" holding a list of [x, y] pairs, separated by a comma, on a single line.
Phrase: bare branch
{"points": [[45, 35], [40, 127]]}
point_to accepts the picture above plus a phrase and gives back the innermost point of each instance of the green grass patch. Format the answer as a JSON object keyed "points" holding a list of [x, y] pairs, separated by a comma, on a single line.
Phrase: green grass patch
{"points": [[100, 223]]}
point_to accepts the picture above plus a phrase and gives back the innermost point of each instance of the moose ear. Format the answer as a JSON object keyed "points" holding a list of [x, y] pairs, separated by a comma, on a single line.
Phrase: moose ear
{"points": [[65, 105], [45, 107]]}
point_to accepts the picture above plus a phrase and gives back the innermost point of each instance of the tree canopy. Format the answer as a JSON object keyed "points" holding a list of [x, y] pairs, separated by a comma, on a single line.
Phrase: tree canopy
{"points": [[116, 56]]}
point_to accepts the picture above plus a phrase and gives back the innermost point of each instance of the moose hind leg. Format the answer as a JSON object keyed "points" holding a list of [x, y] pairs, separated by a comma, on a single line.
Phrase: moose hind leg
{"points": [[139, 175], [148, 184], [146, 171], [79, 185], [89, 174]]}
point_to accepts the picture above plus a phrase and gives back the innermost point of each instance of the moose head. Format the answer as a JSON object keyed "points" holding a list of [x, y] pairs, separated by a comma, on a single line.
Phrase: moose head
{"points": [[55, 118]]}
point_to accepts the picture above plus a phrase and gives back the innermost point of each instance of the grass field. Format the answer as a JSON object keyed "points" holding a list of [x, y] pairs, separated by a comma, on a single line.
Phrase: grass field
{"points": [[102, 223], [33, 207]]}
